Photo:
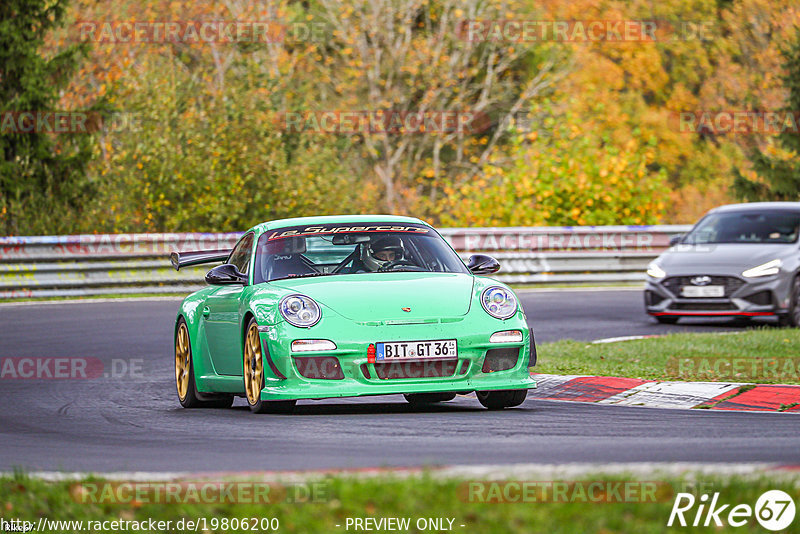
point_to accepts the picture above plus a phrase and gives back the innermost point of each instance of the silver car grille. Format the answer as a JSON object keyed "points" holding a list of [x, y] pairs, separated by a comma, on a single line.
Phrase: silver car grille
{"points": [[731, 283]]}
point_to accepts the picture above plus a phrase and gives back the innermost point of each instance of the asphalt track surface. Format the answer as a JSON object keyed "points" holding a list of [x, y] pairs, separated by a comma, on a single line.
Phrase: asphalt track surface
{"points": [[136, 424]]}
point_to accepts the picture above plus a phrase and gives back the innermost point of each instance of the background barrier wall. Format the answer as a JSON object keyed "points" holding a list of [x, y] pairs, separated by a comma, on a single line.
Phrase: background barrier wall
{"points": [[118, 264]]}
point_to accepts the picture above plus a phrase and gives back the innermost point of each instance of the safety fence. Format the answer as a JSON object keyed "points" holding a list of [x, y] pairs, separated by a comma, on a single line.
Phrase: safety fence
{"points": [[136, 264]]}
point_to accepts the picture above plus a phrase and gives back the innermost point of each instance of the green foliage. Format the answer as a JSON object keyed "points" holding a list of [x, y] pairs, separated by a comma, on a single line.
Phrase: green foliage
{"points": [[778, 167], [565, 172], [43, 184], [198, 161], [479, 505]]}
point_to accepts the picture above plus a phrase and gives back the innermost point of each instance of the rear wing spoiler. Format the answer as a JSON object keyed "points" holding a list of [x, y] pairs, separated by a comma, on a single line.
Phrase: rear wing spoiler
{"points": [[185, 259]]}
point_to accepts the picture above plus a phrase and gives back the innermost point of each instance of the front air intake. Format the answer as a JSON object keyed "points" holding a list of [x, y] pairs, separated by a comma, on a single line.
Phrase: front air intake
{"points": [[500, 359], [319, 367]]}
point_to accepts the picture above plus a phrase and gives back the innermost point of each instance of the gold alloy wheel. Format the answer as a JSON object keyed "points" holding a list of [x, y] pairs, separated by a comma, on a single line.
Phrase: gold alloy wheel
{"points": [[253, 365], [182, 360]]}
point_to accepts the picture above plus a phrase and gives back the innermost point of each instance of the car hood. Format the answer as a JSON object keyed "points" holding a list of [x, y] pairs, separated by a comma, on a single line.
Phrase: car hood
{"points": [[723, 258], [382, 296]]}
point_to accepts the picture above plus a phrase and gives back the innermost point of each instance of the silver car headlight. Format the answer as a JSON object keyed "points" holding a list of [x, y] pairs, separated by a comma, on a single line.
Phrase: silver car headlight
{"points": [[654, 271], [765, 269], [300, 310], [499, 302]]}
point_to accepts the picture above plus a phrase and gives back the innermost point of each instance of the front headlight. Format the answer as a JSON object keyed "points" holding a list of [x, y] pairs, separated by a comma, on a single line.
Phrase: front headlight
{"points": [[499, 302], [506, 336], [312, 345], [654, 271], [300, 310], [766, 269]]}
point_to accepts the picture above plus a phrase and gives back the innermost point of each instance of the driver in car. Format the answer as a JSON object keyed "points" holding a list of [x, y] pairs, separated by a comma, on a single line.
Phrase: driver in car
{"points": [[380, 253], [373, 256]]}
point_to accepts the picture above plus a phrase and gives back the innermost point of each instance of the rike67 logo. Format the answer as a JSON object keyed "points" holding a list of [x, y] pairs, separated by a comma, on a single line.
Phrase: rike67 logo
{"points": [[774, 510]]}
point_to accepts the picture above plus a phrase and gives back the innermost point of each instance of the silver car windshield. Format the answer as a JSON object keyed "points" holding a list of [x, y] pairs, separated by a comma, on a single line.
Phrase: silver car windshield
{"points": [[779, 227]]}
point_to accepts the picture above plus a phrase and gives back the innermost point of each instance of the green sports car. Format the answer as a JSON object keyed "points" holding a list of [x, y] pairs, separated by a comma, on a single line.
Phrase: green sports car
{"points": [[322, 307]]}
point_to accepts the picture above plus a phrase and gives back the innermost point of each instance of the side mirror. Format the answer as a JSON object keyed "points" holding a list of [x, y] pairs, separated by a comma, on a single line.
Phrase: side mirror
{"points": [[481, 264], [225, 274], [674, 240]]}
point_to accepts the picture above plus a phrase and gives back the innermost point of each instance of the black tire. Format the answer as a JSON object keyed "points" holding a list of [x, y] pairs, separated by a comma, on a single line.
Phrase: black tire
{"points": [[497, 400], [192, 398], [417, 400], [792, 318], [253, 365], [667, 319]]}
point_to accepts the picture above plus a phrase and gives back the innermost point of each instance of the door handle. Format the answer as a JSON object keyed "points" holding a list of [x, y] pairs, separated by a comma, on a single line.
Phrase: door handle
{"points": [[206, 311]]}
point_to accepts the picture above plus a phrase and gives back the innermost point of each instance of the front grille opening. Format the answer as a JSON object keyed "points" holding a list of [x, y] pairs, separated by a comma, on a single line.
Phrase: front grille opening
{"points": [[730, 283], [762, 298], [703, 306], [365, 370], [464, 367], [400, 370], [652, 298], [319, 367], [500, 359]]}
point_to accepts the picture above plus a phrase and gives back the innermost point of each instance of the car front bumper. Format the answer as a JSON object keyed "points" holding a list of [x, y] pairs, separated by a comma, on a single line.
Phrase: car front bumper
{"points": [[756, 297], [360, 377]]}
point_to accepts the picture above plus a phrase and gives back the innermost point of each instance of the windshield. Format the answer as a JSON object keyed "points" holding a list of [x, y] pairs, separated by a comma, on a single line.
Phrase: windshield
{"points": [[746, 227], [325, 250]]}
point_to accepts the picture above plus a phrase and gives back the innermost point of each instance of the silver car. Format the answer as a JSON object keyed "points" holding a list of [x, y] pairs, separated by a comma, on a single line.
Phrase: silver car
{"points": [[741, 260]]}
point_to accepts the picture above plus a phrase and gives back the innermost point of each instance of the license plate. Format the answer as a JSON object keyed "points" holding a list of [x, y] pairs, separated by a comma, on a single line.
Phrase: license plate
{"points": [[416, 350], [703, 291]]}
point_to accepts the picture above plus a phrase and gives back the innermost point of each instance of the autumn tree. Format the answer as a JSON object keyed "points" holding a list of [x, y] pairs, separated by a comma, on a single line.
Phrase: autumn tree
{"points": [[43, 184], [415, 56], [562, 170], [778, 165]]}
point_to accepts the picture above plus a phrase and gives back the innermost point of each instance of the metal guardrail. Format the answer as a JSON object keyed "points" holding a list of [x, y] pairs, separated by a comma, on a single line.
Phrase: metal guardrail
{"points": [[118, 264]]}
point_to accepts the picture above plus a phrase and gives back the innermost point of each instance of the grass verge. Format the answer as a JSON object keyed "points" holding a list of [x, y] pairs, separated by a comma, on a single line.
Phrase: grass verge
{"points": [[765, 356], [419, 497]]}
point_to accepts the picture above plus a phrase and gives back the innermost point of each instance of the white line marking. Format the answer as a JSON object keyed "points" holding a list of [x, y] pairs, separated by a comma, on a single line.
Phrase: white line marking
{"points": [[624, 338], [651, 336], [676, 395]]}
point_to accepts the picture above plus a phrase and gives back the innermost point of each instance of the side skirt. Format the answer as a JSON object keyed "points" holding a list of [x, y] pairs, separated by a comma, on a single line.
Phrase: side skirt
{"points": [[220, 384]]}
